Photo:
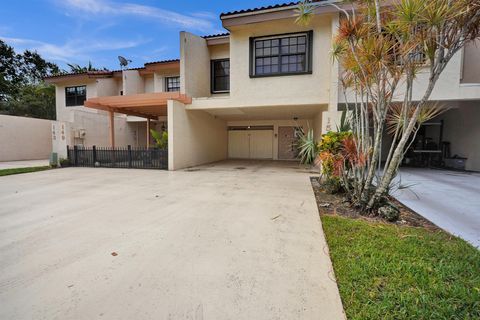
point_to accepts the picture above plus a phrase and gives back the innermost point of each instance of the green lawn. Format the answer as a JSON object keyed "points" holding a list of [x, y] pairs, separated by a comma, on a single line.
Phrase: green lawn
{"points": [[7, 172], [389, 272]]}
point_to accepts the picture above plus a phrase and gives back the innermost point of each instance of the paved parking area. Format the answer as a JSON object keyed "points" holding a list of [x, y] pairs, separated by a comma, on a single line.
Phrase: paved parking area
{"points": [[224, 241], [450, 199]]}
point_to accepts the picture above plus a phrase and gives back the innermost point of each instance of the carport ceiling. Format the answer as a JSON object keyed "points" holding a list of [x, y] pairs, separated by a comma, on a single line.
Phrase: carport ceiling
{"points": [[269, 112]]}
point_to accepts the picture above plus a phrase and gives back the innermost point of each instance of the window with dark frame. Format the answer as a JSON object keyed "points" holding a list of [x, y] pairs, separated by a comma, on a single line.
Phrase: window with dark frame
{"points": [[172, 84], [220, 75], [281, 55], [75, 96]]}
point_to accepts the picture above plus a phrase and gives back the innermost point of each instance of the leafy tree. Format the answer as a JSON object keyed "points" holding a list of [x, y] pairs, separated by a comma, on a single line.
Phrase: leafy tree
{"points": [[33, 100], [382, 47], [22, 90]]}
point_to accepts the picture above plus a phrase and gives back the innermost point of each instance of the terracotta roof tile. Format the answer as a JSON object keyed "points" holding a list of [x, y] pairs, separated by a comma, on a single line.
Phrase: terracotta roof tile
{"points": [[216, 35], [275, 6]]}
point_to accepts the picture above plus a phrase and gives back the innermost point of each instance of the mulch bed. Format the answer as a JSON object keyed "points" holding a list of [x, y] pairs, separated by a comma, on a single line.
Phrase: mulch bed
{"points": [[334, 204]]}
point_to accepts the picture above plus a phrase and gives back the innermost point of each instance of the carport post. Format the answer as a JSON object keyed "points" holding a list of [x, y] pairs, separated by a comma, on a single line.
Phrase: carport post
{"points": [[112, 129], [148, 133]]}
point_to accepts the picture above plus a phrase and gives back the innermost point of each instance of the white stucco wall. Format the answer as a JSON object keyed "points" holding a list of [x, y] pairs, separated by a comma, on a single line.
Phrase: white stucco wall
{"points": [[450, 85], [149, 84], [194, 65], [24, 138], [462, 130], [219, 51], [281, 90], [194, 137], [107, 87], [65, 113], [133, 82]]}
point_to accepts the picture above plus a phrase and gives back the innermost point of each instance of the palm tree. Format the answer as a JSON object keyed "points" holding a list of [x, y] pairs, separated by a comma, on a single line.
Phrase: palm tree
{"points": [[381, 47], [76, 68]]}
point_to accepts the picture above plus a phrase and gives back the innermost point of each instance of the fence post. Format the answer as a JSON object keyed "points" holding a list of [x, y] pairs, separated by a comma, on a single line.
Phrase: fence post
{"points": [[94, 151], [75, 155], [129, 156]]}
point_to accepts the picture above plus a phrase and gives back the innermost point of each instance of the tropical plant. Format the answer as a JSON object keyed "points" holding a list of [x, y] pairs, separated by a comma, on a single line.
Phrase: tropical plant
{"points": [[161, 138], [76, 68], [307, 147], [382, 47]]}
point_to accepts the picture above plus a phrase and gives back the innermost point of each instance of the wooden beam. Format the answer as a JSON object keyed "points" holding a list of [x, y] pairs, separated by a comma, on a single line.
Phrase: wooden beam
{"points": [[112, 129], [148, 133], [129, 112]]}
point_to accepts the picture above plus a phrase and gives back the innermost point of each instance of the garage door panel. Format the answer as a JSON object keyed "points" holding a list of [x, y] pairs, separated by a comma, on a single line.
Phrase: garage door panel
{"points": [[238, 144], [261, 144], [250, 144]]}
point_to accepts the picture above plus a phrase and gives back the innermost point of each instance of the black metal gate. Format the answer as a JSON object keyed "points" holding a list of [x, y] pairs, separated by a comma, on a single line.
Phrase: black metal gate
{"points": [[128, 157]]}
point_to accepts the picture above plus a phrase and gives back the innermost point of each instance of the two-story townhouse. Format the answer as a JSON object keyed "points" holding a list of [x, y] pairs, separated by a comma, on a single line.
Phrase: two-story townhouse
{"points": [[89, 126], [245, 94], [262, 81]]}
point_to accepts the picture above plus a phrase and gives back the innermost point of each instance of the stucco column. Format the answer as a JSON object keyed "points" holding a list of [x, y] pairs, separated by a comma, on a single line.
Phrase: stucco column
{"points": [[148, 133], [112, 129], [331, 117]]}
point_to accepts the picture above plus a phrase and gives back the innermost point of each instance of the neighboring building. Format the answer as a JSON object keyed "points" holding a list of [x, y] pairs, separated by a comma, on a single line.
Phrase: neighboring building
{"points": [[245, 93], [89, 126]]}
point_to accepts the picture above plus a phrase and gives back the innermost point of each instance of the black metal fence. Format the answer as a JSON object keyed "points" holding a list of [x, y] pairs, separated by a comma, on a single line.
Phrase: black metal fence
{"points": [[127, 157]]}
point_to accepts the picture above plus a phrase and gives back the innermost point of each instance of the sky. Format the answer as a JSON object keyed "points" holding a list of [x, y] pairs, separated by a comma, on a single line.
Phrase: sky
{"points": [[79, 31]]}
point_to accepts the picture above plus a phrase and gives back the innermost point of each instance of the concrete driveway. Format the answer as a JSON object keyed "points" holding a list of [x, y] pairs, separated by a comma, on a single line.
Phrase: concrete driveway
{"points": [[450, 199], [225, 241]]}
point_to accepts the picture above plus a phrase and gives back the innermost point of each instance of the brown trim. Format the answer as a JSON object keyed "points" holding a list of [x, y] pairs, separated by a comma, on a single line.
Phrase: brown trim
{"points": [[243, 128], [147, 105]]}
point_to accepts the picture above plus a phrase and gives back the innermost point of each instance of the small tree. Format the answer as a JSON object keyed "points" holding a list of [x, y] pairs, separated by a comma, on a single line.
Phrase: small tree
{"points": [[161, 139], [382, 47]]}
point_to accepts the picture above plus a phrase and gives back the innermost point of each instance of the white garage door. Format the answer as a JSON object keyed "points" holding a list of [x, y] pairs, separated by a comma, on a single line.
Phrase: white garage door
{"points": [[250, 144]]}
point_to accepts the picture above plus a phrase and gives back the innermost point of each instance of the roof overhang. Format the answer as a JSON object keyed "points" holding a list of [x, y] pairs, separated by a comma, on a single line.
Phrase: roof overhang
{"points": [[146, 105], [284, 11], [83, 76]]}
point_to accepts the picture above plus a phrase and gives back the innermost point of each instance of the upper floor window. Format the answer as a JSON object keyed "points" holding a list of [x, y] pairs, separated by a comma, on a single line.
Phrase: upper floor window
{"points": [[75, 96], [281, 55], [220, 75], [172, 84]]}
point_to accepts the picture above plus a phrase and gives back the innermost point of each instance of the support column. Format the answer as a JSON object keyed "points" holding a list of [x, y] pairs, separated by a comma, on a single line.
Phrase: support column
{"points": [[112, 129], [148, 133]]}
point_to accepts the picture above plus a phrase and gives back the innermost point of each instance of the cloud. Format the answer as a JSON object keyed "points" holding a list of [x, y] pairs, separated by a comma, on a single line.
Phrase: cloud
{"points": [[72, 50], [200, 21]]}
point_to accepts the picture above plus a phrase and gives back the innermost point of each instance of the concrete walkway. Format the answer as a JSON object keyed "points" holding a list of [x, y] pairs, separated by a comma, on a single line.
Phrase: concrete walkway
{"points": [[23, 164], [226, 241], [450, 199]]}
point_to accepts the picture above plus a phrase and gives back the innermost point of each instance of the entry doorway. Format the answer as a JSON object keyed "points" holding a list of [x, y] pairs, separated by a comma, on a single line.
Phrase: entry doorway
{"points": [[250, 142], [287, 143]]}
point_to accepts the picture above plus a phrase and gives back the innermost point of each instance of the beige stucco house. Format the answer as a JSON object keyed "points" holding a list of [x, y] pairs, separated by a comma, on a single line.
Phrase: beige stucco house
{"points": [[244, 94]]}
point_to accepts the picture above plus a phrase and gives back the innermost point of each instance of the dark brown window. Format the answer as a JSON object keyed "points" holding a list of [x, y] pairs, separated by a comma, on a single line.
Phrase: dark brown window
{"points": [[281, 55], [172, 84], [220, 75], [75, 96]]}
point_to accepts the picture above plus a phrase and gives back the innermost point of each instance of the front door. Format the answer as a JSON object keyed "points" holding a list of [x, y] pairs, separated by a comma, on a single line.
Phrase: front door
{"points": [[287, 143]]}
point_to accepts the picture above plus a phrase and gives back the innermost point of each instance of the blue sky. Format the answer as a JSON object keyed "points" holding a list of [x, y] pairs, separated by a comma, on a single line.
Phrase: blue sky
{"points": [[78, 31]]}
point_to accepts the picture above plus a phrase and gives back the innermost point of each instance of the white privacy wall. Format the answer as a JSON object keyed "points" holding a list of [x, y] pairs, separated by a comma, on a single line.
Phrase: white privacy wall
{"points": [[24, 138]]}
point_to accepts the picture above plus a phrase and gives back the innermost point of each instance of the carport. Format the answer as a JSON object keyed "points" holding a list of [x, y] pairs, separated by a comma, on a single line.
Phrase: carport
{"points": [[144, 105], [447, 198]]}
